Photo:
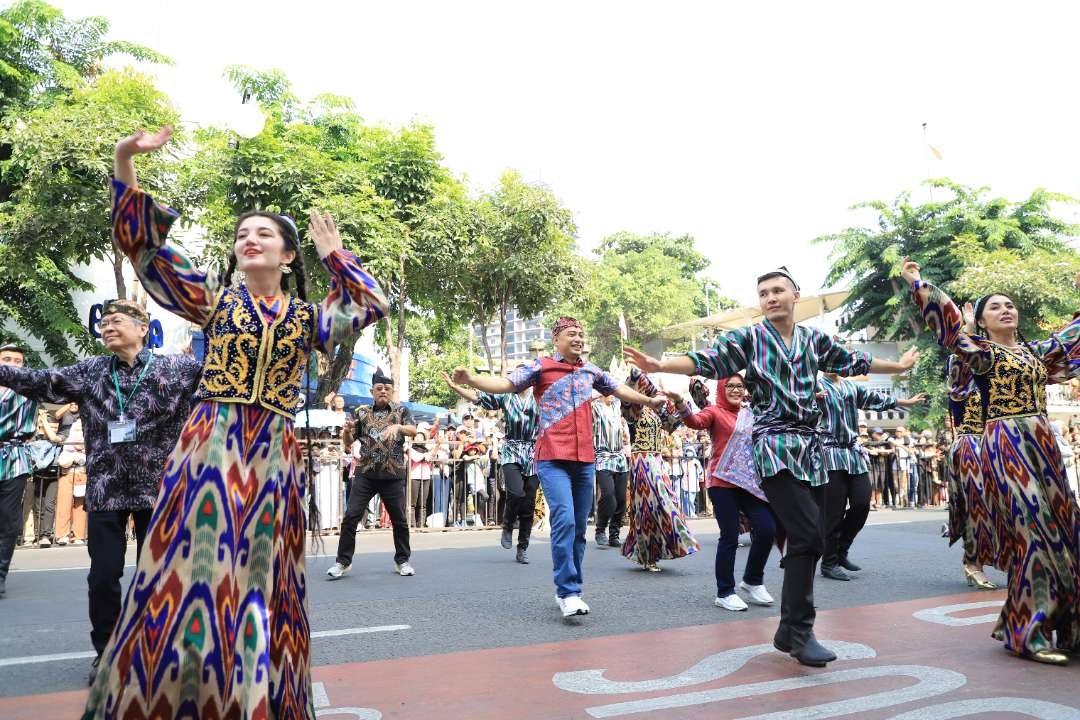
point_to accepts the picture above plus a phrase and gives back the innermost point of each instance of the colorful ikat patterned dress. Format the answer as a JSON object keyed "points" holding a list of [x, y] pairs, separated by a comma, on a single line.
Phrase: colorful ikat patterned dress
{"points": [[970, 499], [1034, 513], [215, 621], [658, 530]]}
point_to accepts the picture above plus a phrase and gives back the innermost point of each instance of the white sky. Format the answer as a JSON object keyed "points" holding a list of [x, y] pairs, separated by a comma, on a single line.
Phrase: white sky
{"points": [[752, 126]]}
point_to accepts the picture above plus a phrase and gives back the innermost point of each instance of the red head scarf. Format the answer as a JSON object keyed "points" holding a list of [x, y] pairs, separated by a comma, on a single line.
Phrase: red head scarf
{"points": [[562, 323]]}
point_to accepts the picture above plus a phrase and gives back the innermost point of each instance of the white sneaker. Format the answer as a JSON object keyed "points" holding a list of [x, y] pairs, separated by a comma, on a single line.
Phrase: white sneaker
{"points": [[758, 594], [572, 605], [732, 602], [337, 570], [62, 541], [405, 569]]}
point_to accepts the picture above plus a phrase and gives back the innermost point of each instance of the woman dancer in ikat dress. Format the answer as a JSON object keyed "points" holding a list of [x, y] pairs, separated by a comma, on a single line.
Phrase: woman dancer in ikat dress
{"points": [[215, 622], [658, 530], [970, 504], [1034, 512]]}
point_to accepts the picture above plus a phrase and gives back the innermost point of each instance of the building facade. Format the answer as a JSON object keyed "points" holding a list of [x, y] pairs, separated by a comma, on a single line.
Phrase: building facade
{"points": [[521, 334]]}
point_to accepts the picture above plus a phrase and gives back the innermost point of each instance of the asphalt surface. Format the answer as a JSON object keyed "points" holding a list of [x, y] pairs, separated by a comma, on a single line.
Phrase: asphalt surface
{"points": [[469, 593]]}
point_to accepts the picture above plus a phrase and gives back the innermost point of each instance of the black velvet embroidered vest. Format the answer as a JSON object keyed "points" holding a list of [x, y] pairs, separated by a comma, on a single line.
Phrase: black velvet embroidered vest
{"points": [[250, 360]]}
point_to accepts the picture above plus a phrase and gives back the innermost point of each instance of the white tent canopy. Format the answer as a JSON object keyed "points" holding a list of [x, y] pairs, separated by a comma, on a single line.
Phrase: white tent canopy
{"points": [[806, 308]]}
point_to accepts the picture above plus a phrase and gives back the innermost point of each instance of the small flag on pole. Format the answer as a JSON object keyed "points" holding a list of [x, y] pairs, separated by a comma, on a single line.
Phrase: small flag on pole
{"points": [[935, 152], [622, 326]]}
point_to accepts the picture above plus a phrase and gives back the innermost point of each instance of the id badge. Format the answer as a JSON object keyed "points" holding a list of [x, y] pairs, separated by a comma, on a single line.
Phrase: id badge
{"points": [[121, 431]]}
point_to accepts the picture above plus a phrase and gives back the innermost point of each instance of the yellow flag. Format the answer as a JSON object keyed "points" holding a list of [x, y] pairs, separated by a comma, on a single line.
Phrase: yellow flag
{"points": [[936, 153]]}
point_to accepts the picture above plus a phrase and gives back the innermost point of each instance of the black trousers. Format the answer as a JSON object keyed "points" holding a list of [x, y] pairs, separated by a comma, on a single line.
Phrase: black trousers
{"points": [[847, 505], [106, 541], [800, 509], [392, 492], [46, 483], [611, 507], [420, 491], [520, 501], [11, 521]]}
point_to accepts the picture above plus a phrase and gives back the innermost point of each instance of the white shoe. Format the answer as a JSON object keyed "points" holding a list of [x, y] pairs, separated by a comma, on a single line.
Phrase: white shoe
{"points": [[62, 541], [732, 602], [758, 594], [404, 569], [337, 570], [572, 605]]}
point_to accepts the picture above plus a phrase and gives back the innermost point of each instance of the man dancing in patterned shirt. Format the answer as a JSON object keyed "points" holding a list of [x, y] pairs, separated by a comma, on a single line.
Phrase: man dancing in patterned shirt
{"points": [[781, 360], [522, 417], [564, 449]]}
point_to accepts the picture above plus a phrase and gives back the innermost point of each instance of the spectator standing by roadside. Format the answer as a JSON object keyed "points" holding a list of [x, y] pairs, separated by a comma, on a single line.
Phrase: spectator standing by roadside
{"points": [[18, 416]]}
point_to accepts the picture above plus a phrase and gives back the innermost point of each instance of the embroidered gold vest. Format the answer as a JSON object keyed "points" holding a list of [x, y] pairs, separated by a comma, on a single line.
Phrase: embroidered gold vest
{"points": [[1015, 384], [970, 414], [252, 361]]}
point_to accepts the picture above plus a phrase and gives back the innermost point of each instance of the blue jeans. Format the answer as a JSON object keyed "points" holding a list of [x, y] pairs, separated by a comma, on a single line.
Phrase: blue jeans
{"points": [[913, 484], [568, 489], [727, 502]]}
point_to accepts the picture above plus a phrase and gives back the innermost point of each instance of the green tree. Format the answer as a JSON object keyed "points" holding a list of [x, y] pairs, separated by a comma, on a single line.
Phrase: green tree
{"points": [[518, 254], [57, 216], [653, 280], [381, 184], [969, 243], [45, 55], [435, 348]]}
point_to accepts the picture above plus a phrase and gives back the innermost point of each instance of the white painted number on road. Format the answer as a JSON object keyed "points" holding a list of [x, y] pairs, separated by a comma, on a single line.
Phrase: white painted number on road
{"points": [[1039, 709], [714, 667], [322, 701], [943, 615]]}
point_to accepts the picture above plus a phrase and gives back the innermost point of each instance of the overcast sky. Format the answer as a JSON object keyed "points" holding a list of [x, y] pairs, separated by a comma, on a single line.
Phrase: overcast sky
{"points": [[751, 126]]}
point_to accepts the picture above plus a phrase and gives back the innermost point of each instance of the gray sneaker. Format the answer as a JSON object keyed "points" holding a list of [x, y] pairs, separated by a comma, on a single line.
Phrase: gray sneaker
{"points": [[405, 569], [337, 570]]}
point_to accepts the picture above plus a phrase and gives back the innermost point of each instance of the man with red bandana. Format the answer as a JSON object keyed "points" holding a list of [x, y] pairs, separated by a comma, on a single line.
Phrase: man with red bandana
{"points": [[563, 383]]}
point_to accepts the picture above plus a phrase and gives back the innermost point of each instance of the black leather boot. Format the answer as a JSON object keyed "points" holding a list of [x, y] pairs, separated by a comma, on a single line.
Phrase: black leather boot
{"points": [[7, 549], [798, 597], [845, 563]]}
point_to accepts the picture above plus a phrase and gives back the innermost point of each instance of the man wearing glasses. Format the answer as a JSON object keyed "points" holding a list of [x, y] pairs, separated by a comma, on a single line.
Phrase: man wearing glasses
{"points": [[132, 404]]}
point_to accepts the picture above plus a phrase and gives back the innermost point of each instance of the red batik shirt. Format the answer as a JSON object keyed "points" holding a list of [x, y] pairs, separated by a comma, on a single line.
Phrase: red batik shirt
{"points": [[564, 392]]}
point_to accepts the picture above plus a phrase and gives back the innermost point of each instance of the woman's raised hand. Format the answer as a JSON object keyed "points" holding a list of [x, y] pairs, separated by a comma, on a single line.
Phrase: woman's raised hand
{"points": [[143, 142], [910, 271], [324, 233]]}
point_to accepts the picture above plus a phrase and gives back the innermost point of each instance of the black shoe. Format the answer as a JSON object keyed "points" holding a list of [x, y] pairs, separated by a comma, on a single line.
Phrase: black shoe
{"points": [[613, 539], [848, 565], [834, 572], [522, 556], [3, 585], [93, 671], [507, 539], [782, 640], [813, 653], [601, 539]]}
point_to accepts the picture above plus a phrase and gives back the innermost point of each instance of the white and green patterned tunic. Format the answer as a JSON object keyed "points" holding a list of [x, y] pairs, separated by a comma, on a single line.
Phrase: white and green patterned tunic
{"points": [[783, 387], [840, 422]]}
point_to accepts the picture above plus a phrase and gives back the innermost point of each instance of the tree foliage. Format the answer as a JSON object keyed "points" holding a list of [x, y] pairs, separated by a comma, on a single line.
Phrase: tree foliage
{"points": [[519, 254], [653, 280], [969, 243]]}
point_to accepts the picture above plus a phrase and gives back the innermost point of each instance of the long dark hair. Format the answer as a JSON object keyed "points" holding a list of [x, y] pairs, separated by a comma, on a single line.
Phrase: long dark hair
{"points": [[288, 231], [980, 306]]}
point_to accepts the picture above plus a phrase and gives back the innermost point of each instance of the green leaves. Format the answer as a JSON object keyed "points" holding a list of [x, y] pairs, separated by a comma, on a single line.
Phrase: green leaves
{"points": [[969, 244]]}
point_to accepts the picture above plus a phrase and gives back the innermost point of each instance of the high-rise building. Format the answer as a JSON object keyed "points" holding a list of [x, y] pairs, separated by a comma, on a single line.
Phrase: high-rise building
{"points": [[521, 334]]}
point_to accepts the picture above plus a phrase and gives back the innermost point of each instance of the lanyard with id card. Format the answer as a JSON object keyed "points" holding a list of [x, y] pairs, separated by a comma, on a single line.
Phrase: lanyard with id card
{"points": [[123, 429]]}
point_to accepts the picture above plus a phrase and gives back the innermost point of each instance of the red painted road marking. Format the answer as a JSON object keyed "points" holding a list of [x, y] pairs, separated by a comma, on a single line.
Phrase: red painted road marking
{"points": [[894, 667]]}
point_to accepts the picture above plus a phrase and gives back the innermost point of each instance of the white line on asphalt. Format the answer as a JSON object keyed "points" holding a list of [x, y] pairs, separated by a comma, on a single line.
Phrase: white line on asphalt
{"points": [[31, 659], [359, 631], [35, 659]]}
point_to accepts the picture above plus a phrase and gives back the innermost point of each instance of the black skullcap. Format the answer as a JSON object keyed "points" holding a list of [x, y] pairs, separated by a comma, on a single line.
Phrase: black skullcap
{"points": [[381, 378]]}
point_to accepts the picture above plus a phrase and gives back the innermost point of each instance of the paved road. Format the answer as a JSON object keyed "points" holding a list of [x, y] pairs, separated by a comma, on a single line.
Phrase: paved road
{"points": [[475, 635], [469, 594]]}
